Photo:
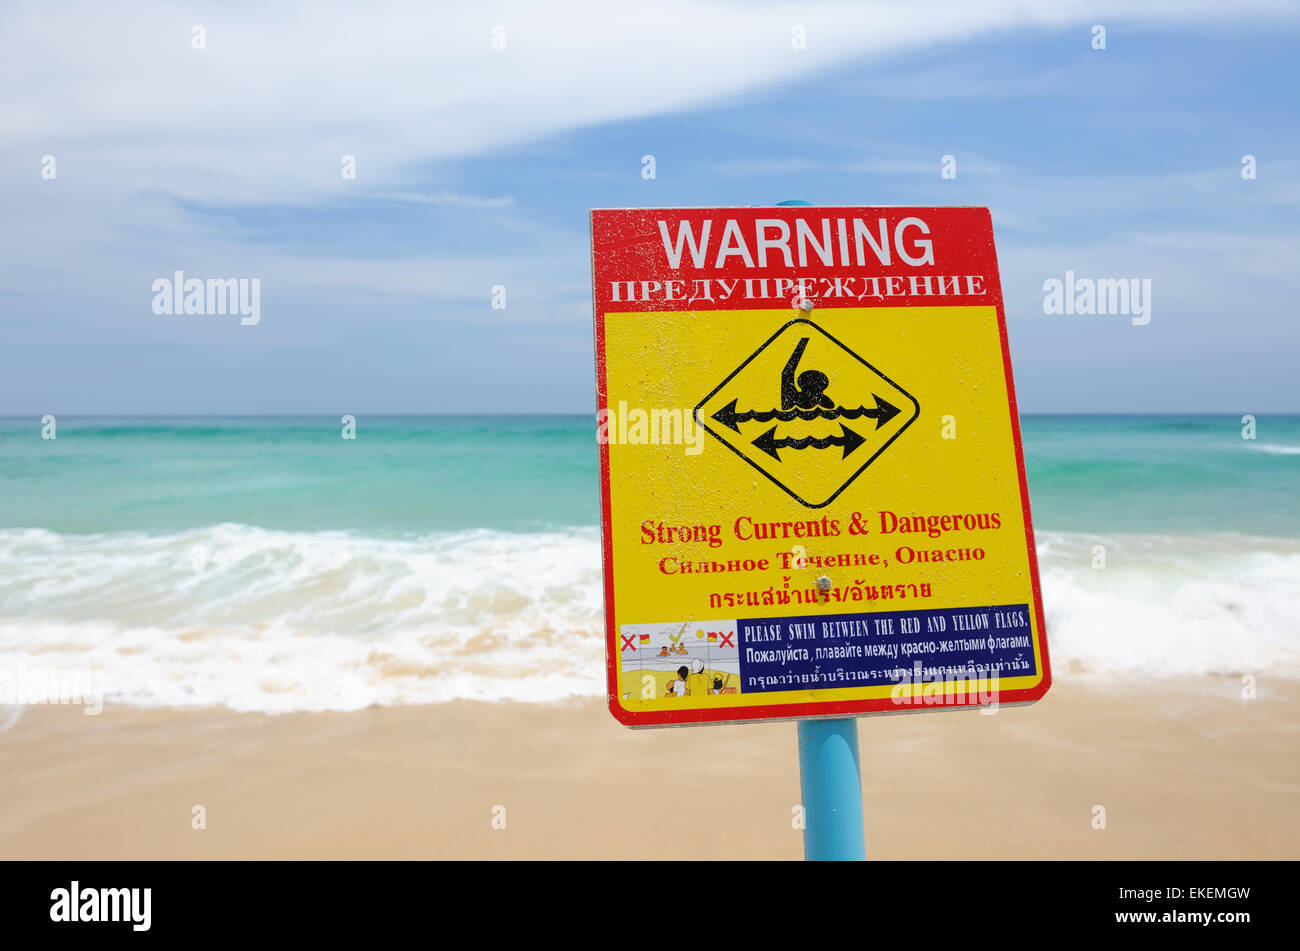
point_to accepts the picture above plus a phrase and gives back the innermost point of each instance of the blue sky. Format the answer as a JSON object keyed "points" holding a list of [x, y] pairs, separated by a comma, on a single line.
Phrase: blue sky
{"points": [[477, 167]]}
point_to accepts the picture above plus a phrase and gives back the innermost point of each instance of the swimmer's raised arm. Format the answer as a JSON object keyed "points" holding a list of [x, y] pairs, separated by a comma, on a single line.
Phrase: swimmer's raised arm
{"points": [[789, 392]]}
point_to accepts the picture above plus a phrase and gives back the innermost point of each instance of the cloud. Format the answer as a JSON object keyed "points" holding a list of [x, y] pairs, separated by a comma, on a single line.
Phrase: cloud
{"points": [[445, 197], [170, 157], [971, 164], [282, 91]]}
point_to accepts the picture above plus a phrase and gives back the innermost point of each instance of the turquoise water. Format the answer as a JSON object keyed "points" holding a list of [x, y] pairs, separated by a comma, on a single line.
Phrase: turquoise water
{"points": [[1156, 474], [270, 565], [1161, 474], [400, 475]]}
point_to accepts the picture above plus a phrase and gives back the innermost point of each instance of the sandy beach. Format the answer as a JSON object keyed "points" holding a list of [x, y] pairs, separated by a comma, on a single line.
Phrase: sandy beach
{"points": [[1190, 770]]}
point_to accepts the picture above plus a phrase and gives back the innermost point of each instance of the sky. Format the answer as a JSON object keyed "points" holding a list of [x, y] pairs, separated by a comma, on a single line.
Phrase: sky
{"points": [[477, 167]]}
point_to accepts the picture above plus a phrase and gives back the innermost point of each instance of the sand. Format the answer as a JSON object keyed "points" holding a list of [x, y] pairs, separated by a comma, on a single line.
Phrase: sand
{"points": [[1185, 770]]}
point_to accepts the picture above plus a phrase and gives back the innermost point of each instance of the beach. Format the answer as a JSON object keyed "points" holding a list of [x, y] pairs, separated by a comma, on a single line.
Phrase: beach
{"points": [[1187, 770], [348, 650], [431, 431]]}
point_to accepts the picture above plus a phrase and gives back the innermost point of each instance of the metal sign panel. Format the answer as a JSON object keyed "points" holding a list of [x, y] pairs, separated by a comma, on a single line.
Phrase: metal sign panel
{"points": [[813, 492]]}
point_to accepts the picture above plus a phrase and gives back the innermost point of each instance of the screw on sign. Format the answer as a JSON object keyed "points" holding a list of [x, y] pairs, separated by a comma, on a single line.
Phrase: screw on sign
{"points": [[864, 564]]}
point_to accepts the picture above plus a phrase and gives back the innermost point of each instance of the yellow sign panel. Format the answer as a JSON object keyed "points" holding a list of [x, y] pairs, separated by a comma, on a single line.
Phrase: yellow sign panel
{"points": [[810, 509]]}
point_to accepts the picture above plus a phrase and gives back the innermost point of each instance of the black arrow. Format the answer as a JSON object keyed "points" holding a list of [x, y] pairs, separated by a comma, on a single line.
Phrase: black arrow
{"points": [[730, 417], [770, 444], [883, 412]]}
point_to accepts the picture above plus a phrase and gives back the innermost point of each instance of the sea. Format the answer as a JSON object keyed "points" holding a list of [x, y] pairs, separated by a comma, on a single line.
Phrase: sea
{"points": [[268, 565]]}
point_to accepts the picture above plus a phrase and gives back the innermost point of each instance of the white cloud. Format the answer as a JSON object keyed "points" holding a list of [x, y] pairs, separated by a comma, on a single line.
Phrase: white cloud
{"points": [[282, 91], [136, 118], [970, 164], [446, 197]]}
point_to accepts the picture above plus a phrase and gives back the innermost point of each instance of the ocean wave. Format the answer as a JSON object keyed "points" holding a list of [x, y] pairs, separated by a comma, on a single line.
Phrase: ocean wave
{"points": [[1171, 605], [277, 621]]}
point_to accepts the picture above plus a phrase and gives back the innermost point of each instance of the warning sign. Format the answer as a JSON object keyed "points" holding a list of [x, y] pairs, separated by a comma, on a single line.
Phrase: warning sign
{"points": [[807, 412], [813, 496]]}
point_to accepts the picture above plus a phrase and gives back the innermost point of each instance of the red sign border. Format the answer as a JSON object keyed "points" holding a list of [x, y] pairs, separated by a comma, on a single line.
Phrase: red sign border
{"points": [[820, 710]]}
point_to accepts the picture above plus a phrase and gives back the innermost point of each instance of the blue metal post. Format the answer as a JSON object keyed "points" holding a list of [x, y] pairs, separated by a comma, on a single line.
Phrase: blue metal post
{"points": [[832, 791]]}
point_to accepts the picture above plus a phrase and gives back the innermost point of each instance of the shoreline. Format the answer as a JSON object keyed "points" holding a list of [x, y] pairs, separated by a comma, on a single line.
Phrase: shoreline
{"points": [[1186, 770]]}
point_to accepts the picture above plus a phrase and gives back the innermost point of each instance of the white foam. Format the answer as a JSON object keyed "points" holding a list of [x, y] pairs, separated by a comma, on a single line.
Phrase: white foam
{"points": [[273, 621], [278, 621], [1166, 606]]}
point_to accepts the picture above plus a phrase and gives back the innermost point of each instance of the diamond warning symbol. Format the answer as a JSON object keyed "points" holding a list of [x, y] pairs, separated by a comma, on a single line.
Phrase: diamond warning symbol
{"points": [[807, 412]]}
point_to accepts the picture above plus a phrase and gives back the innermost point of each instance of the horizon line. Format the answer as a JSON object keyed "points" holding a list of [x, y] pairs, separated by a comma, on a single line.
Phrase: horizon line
{"points": [[506, 413]]}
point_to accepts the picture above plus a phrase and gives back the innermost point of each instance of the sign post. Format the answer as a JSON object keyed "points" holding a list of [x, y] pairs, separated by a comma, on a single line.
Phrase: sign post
{"points": [[813, 497], [831, 784]]}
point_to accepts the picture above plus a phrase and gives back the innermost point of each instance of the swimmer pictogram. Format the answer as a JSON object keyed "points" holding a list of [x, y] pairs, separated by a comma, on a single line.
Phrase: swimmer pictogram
{"points": [[807, 412]]}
